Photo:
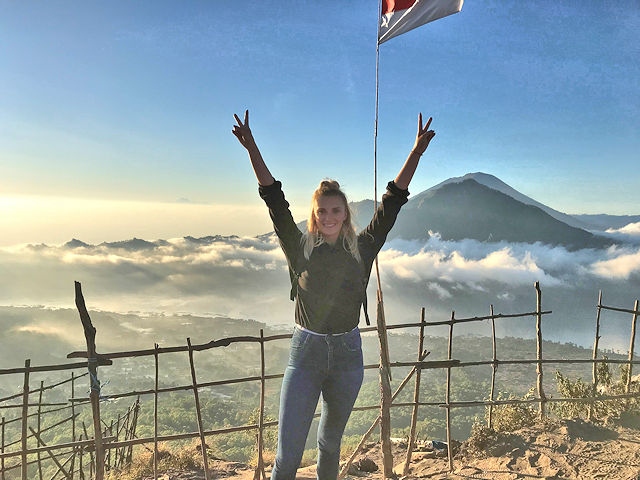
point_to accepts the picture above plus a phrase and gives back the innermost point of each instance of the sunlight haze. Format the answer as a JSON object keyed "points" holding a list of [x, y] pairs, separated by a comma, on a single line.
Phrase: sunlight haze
{"points": [[134, 101]]}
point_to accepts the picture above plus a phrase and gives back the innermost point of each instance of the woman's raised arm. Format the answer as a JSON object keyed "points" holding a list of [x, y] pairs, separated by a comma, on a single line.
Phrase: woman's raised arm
{"points": [[423, 137], [243, 133]]}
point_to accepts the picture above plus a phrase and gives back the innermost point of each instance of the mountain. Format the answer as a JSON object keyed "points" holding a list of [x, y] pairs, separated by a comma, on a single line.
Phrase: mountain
{"points": [[481, 207], [497, 184]]}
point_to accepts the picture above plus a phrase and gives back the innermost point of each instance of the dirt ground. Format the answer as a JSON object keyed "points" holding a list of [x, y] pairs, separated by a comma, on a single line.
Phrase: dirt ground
{"points": [[571, 449]]}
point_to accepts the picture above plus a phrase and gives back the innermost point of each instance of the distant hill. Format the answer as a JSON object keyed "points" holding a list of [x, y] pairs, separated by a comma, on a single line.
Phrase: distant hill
{"points": [[603, 221]]}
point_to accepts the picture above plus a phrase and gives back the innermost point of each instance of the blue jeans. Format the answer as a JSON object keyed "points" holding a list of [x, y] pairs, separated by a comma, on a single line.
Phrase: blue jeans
{"points": [[327, 364]]}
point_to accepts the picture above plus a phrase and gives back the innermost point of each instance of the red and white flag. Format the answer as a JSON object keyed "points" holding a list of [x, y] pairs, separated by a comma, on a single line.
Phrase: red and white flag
{"points": [[400, 16]]}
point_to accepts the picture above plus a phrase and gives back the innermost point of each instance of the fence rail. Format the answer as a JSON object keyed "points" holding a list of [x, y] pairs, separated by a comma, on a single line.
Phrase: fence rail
{"points": [[110, 444]]}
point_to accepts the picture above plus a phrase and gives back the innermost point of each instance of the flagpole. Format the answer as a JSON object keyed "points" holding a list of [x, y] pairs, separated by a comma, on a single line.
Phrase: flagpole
{"points": [[384, 353], [375, 121], [381, 324]]}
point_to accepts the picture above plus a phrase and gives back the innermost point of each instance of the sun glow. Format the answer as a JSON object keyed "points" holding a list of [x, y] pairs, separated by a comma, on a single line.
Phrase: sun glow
{"points": [[55, 220]]}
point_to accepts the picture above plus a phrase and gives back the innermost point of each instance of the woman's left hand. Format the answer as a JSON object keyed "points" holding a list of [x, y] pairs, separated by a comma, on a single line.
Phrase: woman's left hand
{"points": [[423, 136]]}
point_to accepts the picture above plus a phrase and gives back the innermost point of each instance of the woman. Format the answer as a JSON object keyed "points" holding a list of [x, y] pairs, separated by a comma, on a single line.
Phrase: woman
{"points": [[330, 266]]}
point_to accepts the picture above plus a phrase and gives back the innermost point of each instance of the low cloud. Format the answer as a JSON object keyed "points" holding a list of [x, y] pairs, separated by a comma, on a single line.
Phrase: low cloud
{"points": [[620, 264], [630, 233], [246, 277]]}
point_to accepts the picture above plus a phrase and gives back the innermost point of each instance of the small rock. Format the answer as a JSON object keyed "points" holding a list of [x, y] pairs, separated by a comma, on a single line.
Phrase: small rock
{"points": [[366, 465]]}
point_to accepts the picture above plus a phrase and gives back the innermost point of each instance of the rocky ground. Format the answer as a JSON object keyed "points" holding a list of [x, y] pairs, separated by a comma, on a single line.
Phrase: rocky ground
{"points": [[571, 449]]}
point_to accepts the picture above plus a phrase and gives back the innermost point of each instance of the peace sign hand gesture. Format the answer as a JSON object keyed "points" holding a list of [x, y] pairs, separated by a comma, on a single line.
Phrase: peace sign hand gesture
{"points": [[423, 137], [243, 132]]}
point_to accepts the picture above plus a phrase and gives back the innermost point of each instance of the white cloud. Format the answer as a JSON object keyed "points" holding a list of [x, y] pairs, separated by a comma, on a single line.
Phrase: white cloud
{"points": [[246, 277], [630, 233], [468, 262], [632, 229], [621, 264]]}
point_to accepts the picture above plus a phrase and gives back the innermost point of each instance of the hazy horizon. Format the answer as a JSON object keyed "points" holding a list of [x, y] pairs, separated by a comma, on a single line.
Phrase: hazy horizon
{"points": [[246, 277], [56, 220]]}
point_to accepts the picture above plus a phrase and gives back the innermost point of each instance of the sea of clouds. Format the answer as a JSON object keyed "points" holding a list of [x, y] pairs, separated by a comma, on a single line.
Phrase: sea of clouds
{"points": [[246, 277]]}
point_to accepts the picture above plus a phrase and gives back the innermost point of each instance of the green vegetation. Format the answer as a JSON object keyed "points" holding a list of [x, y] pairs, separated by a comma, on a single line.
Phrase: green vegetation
{"points": [[608, 385], [236, 404]]}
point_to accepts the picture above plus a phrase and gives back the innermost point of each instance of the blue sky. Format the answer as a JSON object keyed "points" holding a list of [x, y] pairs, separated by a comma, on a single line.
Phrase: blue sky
{"points": [[115, 117]]}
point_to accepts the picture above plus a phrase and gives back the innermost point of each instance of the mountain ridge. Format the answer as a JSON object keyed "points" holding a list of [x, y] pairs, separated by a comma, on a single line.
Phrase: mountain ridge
{"points": [[496, 184], [481, 207], [476, 206]]}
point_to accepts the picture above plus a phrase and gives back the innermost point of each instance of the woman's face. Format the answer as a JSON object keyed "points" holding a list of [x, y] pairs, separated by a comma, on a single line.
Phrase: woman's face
{"points": [[330, 212]]}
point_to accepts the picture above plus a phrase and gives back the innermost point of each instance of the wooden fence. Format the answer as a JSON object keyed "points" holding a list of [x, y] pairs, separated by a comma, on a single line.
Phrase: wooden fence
{"points": [[109, 445]]}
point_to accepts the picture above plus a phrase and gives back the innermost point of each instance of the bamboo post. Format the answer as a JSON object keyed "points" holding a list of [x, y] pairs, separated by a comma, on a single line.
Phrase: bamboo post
{"points": [[126, 432], [539, 372], [108, 431], [596, 341], [39, 426], [124, 427], [2, 434], [448, 392], [416, 398], [196, 396], [631, 346], [132, 430], [114, 456], [155, 413], [92, 361], [259, 473], [25, 415], [385, 391], [73, 421], [494, 368]]}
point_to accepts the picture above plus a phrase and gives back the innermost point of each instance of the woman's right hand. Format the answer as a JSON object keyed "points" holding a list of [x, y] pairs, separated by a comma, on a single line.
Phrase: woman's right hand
{"points": [[242, 131]]}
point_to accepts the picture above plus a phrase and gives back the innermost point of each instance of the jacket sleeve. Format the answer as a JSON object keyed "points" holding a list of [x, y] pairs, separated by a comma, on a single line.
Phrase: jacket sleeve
{"points": [[385, 217], [285, 227]]}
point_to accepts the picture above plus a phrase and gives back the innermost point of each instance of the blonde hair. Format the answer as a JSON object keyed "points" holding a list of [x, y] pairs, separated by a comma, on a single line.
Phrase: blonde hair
{"points": [[313, 238]]}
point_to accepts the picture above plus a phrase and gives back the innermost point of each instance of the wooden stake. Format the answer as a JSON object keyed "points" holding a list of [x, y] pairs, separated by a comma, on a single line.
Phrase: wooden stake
{"points": [[196, 396], [631, 346], [494, 369], [596, 341], [448, 392], [92, 363], [385, 392], [73, 422], [39, 426], [155, 415], [539, 372], [25, 416], [259, 473], [416, 397], [2, 449]]}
